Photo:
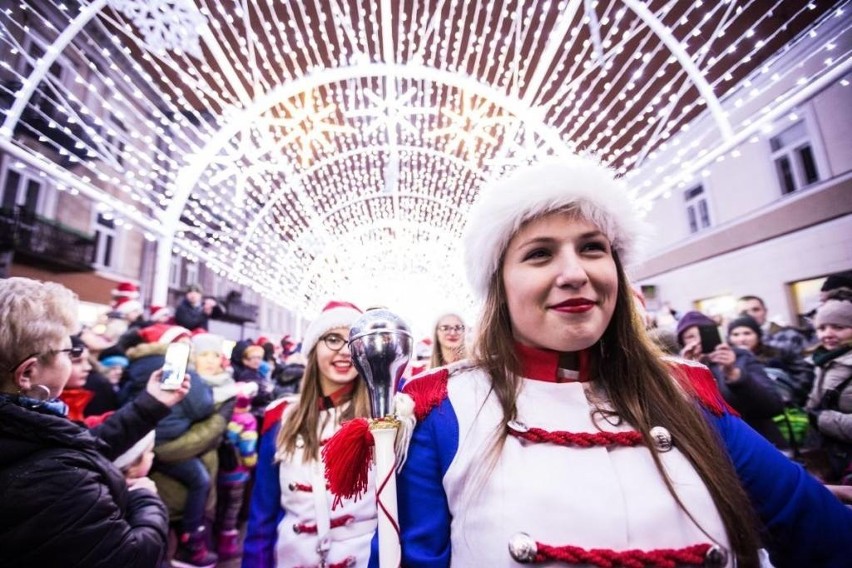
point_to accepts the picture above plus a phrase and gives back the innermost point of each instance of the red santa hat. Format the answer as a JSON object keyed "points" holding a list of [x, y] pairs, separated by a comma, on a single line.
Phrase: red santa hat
{"points": [[163, 333], [532, 191], [334, 314], [423, 349], [160, 314], [126, 291], [128, 306]]}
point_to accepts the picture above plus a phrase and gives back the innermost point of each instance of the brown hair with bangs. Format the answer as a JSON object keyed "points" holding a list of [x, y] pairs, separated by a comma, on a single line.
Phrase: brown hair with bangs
{"points": [[640, 387]]}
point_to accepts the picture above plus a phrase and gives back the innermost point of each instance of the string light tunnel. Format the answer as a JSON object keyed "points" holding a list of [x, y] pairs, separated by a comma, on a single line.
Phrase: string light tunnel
{"points": [[313, 149]]}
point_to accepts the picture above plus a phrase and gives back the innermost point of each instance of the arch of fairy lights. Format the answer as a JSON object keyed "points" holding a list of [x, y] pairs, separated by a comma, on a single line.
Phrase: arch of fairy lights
{"points": [[317, 148]]}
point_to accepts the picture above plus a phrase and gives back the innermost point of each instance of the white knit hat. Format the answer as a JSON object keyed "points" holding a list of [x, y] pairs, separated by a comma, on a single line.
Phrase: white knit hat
{"points": [[334, 314], [203, 342], [532, 191], [129, 457]]}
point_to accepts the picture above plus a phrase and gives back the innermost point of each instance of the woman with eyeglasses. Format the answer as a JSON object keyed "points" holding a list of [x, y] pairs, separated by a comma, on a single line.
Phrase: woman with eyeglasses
{"points": [[291, 518], [448, 341], [568, 439], [64, 503]]}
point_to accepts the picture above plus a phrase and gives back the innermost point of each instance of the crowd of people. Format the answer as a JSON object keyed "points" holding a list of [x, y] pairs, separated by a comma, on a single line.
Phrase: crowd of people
{"points": [[565, 427]]}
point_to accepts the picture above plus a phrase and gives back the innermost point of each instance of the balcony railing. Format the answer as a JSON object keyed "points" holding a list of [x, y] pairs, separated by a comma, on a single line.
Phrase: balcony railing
{"points": [[234, 310], [44, 243]]}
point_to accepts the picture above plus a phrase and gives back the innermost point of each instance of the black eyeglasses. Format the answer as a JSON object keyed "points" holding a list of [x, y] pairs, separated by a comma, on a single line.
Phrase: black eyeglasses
{"points": [[449, 328], [333, 341], [73, 353]]}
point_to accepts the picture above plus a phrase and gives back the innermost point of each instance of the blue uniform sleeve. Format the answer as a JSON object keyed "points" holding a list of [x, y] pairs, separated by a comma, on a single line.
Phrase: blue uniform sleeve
{"points": [[265, 511], [805, 525], [424, 516]]}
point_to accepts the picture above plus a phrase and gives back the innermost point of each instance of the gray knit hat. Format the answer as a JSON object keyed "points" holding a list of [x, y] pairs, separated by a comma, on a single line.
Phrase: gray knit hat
{"points": [[835, 312]]}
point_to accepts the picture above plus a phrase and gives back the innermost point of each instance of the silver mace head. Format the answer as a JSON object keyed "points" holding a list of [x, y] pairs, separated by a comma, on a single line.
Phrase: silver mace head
{"points": [[380, 343]]}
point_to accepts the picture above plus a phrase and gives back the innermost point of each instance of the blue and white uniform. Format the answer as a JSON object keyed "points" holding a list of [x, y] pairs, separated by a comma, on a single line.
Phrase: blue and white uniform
{"points": [[291, 521], [459, 507]]}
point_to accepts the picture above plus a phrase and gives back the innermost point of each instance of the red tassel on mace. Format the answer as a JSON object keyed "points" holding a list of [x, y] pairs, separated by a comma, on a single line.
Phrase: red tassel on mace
{"points": [[347, 456]]}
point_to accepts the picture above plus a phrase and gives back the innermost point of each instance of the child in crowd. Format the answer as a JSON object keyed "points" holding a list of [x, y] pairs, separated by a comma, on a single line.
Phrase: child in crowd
{"points": [[208, 359], [240, 437], [136, 462], [252, 358], [145, 358], [113, 361], [238, 456]]}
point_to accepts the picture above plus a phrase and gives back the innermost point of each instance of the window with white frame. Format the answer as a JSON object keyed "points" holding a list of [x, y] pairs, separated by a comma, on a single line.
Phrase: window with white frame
{"points": [[191, 273], [174, 271], [697, 210], [106, 236], [794, 158], [22, 191], [114, 138]]}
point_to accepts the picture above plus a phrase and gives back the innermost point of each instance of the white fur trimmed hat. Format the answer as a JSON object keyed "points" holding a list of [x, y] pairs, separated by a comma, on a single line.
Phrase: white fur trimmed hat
{"points": [[334, 314], [532, 191]]}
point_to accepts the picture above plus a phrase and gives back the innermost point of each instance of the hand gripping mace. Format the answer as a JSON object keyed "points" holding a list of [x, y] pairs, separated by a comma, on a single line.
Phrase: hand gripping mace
{"points": [[380, 343]]}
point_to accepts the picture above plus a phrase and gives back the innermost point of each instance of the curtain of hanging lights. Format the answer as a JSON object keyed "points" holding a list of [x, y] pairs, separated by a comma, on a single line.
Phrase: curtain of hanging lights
{"points": [[330, 149]]}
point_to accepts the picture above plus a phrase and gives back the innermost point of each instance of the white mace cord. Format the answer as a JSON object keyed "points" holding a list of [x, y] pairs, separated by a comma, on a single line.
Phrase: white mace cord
{"points": [[404, 409]]}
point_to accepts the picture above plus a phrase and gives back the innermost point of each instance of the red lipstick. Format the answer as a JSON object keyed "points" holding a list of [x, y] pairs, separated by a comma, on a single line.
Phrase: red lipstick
{"points": [[574, 306]]}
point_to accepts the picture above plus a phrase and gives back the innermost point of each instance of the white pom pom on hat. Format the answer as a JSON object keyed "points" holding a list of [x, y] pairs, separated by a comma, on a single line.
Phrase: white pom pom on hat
{"points": [[532, 191], [335, 314]]}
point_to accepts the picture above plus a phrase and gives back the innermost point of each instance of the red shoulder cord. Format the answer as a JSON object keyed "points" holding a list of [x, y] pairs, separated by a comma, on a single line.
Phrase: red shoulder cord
{"points": [[695, 555], [579, 439]]}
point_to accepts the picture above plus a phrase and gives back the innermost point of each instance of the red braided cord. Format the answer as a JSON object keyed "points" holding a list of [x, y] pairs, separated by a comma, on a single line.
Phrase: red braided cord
{"points": [[379, 490], [581, 439], [664, 558], [311, 528]]}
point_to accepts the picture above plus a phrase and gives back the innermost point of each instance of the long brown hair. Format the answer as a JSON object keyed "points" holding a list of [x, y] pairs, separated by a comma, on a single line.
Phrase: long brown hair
{"points": [[642, 392], [303, 420]]}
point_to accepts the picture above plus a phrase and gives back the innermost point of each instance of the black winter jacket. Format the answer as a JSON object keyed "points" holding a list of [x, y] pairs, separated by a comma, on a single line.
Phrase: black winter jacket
{"points": [[63, 503]]}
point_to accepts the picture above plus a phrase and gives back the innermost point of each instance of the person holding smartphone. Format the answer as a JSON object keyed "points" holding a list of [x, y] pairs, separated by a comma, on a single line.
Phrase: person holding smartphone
{"points": [[741, 378], [62, 501], [163, 346]]}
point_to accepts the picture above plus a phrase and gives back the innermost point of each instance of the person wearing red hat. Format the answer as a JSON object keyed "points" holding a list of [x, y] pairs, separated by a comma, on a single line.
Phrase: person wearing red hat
{"points": [[145, 356], [123, 292], [160, 314], [291, 518], [568, 437]]}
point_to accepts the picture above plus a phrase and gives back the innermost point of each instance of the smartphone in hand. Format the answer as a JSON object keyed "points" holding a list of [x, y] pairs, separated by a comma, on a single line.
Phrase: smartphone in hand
{"points": [[174, 369], [710, 338]]}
